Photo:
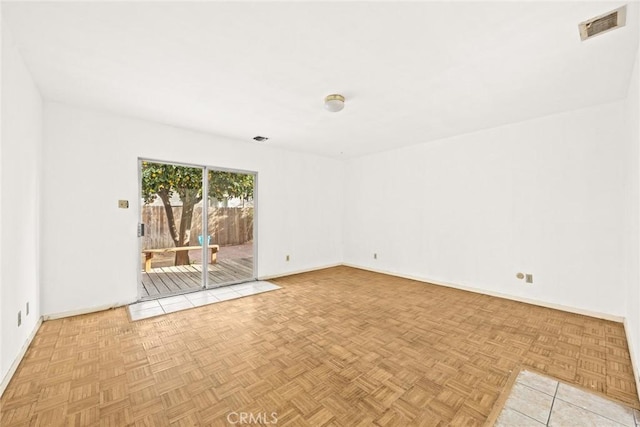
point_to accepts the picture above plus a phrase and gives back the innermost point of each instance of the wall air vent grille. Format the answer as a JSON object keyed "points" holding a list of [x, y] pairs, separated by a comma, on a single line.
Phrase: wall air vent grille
{"points": [[603, 23]]}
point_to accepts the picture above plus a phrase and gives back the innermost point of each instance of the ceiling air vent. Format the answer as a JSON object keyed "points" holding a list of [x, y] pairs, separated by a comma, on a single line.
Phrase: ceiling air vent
{"points": [[603, 23]]}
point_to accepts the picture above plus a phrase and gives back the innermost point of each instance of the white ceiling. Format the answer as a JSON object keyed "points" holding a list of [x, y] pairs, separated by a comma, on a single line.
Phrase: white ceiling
{"points": [[411, 72]]}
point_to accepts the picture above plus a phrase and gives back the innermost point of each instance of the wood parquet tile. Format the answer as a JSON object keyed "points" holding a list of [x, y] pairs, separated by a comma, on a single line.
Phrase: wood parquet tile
{"points": [[337, 347]]}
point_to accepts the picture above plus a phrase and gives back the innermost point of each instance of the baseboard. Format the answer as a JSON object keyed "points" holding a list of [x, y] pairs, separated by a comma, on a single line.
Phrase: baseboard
{"points": [[291, 273], [568, 309], [82, 311], [584, 312], [14, 366], [633, 356]]}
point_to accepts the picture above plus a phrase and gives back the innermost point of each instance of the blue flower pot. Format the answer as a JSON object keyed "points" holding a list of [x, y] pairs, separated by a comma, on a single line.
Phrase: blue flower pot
{"points": [[200, 240]]}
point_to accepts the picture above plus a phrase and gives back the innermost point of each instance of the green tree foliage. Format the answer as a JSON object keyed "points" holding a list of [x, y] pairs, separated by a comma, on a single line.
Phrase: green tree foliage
{"points": [[226, 185], [164, 180]]}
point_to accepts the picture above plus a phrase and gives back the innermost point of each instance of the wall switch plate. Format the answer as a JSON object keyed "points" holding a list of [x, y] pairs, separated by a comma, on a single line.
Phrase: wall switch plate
{"points": [[529, 278], [123, 204], [19, 318]]}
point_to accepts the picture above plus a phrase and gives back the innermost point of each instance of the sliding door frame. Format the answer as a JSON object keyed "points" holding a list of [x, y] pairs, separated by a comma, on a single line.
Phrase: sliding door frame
{"points": [[205, 217]]}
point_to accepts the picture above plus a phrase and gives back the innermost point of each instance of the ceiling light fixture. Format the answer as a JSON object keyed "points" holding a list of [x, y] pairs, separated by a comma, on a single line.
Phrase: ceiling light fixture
{"points": [[334, 102]]}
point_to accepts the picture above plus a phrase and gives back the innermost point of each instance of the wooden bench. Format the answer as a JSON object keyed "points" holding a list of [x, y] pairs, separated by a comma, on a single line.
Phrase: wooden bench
{"points": [[149, 253]]}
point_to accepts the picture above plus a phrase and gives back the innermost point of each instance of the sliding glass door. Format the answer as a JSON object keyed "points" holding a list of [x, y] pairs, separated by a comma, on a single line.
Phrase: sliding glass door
{"points": [[196, 228], [230, 224]]}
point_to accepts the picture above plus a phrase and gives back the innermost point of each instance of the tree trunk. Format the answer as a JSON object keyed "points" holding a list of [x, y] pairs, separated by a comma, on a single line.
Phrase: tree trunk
{"points": [[180, 237], [189, 199], [171, 221]]}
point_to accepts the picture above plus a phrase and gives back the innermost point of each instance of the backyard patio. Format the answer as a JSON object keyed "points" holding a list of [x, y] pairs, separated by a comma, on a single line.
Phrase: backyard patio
{"points": [[234, 264]]}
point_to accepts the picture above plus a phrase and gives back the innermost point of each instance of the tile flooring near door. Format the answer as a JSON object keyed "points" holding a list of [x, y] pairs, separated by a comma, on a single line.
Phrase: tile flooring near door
{"points": [[146, 309], [536, 400]]}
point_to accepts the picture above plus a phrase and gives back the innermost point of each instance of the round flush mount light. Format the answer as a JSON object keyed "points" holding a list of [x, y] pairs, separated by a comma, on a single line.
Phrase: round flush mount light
{"points": [[334, 102]]}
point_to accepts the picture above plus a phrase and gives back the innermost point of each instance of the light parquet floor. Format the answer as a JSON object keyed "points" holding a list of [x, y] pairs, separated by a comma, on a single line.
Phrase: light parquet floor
{"points": [[337, 347]]}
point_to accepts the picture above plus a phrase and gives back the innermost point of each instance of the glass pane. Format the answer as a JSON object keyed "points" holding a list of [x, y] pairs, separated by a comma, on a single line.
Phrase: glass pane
{"points": [[230, 224], [171, 254]]}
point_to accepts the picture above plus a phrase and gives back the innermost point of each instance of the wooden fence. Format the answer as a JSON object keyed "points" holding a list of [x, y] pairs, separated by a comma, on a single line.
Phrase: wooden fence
{"points": [[227, 226]]}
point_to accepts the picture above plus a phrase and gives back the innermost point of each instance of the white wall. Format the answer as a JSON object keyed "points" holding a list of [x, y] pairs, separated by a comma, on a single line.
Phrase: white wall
{"points": [[21, 148], [4, 378], [90, 246], [544, 197], [633, 232]]}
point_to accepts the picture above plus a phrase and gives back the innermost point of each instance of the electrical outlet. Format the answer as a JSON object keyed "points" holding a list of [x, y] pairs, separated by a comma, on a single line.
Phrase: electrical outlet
{"points": [[529, 278], [287, 258], [19, 318], [27, 310], [375, 256]]}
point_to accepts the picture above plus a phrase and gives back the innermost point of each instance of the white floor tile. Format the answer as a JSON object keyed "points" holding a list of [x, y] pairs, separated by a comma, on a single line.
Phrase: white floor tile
{"points": [[538, 382], [218, 291], [195, 295], [596, 404], [172, 300], [144, 305], [200, 296], [510, 418], [567, 415], [266, 286], [532, 403], [228, 296], [206, 300], [262, 282], [145, 314], [182, 305], [239, 286], [172, 304], [532, 393], [249, 291]]}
